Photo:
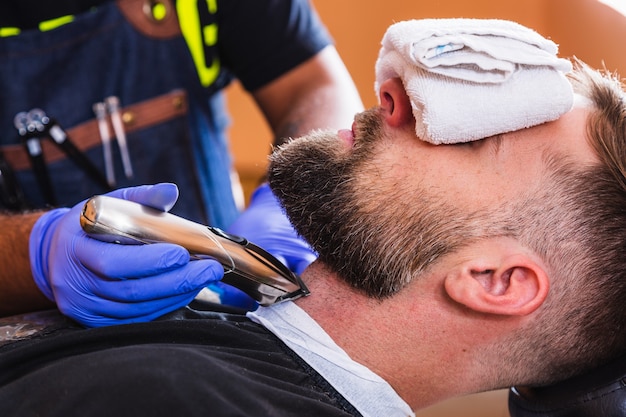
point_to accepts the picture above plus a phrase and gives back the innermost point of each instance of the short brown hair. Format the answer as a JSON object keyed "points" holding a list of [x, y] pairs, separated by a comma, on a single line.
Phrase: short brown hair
{"points": [[582, 236]]}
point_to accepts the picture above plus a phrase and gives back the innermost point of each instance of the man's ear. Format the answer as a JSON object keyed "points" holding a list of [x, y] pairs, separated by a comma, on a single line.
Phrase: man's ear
{"points": [[500, 283]]}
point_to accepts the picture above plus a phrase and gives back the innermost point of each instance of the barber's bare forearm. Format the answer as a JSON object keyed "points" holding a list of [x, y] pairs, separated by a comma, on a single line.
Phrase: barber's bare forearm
{"points": [[325, 108], [18, 291], [318, 94]]}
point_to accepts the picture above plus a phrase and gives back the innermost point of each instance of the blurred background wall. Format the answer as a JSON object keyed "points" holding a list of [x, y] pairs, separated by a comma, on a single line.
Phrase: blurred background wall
{"points": [[592, 30]]}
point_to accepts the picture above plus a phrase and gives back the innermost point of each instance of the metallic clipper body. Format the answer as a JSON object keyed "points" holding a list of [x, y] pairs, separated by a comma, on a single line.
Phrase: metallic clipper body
{"points": [[246, 265]]}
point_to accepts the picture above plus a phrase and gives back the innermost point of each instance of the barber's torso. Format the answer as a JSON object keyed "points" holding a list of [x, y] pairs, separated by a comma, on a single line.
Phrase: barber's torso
{"points": [[168, 82]]}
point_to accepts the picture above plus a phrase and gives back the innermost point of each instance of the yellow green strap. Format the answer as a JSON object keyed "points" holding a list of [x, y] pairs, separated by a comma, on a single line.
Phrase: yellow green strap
{"points": [[198, 37], [43, 26], [55, 23], [9, 31]]}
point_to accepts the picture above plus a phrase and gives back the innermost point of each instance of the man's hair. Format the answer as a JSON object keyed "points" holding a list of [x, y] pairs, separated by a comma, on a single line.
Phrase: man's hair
{"points": [[582, 236]]}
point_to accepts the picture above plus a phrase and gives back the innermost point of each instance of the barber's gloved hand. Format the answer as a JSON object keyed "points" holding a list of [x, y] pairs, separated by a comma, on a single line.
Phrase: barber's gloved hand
{"points": [[265, 224], [101, 284]]}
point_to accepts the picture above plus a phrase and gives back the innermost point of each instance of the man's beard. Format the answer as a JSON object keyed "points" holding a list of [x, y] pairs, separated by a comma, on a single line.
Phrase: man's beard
{"points": [[375, 236]]}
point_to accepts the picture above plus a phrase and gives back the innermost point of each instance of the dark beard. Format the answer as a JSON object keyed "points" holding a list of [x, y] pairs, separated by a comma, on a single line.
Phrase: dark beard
{"points": [[375, 239]]}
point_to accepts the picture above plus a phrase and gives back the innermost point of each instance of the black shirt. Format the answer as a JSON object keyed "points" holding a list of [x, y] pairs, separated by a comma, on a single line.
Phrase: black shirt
{"points": [[216, 365]]}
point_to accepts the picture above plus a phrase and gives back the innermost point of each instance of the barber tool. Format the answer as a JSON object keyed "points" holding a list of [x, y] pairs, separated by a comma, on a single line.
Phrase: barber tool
{"points": [[34, 125], [30, 132], [11, 196], [105, 135], [62, 140], [246, 265], [113, 107]]}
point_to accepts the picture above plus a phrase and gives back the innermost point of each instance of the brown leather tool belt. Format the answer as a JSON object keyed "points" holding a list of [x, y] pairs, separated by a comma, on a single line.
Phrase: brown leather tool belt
{"points": [[86, 135]]}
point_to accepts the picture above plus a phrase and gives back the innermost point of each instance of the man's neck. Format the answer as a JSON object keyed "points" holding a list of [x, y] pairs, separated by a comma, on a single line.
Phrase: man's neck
{"points": [[400, 338]]}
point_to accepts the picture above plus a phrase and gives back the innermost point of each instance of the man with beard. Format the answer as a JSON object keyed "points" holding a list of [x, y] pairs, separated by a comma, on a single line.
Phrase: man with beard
{"points": [[443, 270]]}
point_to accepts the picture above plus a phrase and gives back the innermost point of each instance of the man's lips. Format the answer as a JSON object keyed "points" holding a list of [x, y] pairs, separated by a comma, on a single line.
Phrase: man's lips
{"points": [[347, 135]]}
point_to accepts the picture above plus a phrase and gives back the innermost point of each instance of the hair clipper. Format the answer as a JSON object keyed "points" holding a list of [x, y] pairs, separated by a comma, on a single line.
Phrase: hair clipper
{"points": [[246, 265]]}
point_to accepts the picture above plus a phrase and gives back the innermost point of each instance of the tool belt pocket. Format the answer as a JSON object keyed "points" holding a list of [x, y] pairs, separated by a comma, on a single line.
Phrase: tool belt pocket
{"points": [[86, 135], [140, 123]]}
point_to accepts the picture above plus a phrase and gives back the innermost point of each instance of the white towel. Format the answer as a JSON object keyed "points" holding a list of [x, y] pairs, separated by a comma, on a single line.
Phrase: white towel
{"points": [[468, 79]]}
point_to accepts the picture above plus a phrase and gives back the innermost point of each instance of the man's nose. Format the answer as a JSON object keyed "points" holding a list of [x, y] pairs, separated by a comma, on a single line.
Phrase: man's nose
{"points": [[395, 103]]}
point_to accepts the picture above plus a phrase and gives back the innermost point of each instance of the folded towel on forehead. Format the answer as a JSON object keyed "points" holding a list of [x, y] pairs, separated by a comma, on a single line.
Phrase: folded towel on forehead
{"points": [[468, 79]]}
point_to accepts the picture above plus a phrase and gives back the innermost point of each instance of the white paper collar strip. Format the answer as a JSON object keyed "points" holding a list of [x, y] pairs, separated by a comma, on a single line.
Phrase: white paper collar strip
{"points": [[371, 395]]}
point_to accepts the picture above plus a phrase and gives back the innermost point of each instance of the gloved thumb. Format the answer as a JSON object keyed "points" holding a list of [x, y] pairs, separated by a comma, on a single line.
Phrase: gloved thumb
{"points": [[160, 196]]}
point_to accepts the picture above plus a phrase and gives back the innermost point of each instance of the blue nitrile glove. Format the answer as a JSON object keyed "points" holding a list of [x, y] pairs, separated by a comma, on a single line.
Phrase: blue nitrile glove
{"points": [[265, 224], [101, 284]]}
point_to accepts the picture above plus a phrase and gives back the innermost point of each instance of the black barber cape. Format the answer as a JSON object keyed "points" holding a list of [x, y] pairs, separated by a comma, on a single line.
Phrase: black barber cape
{"points": [[188, 364]]}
